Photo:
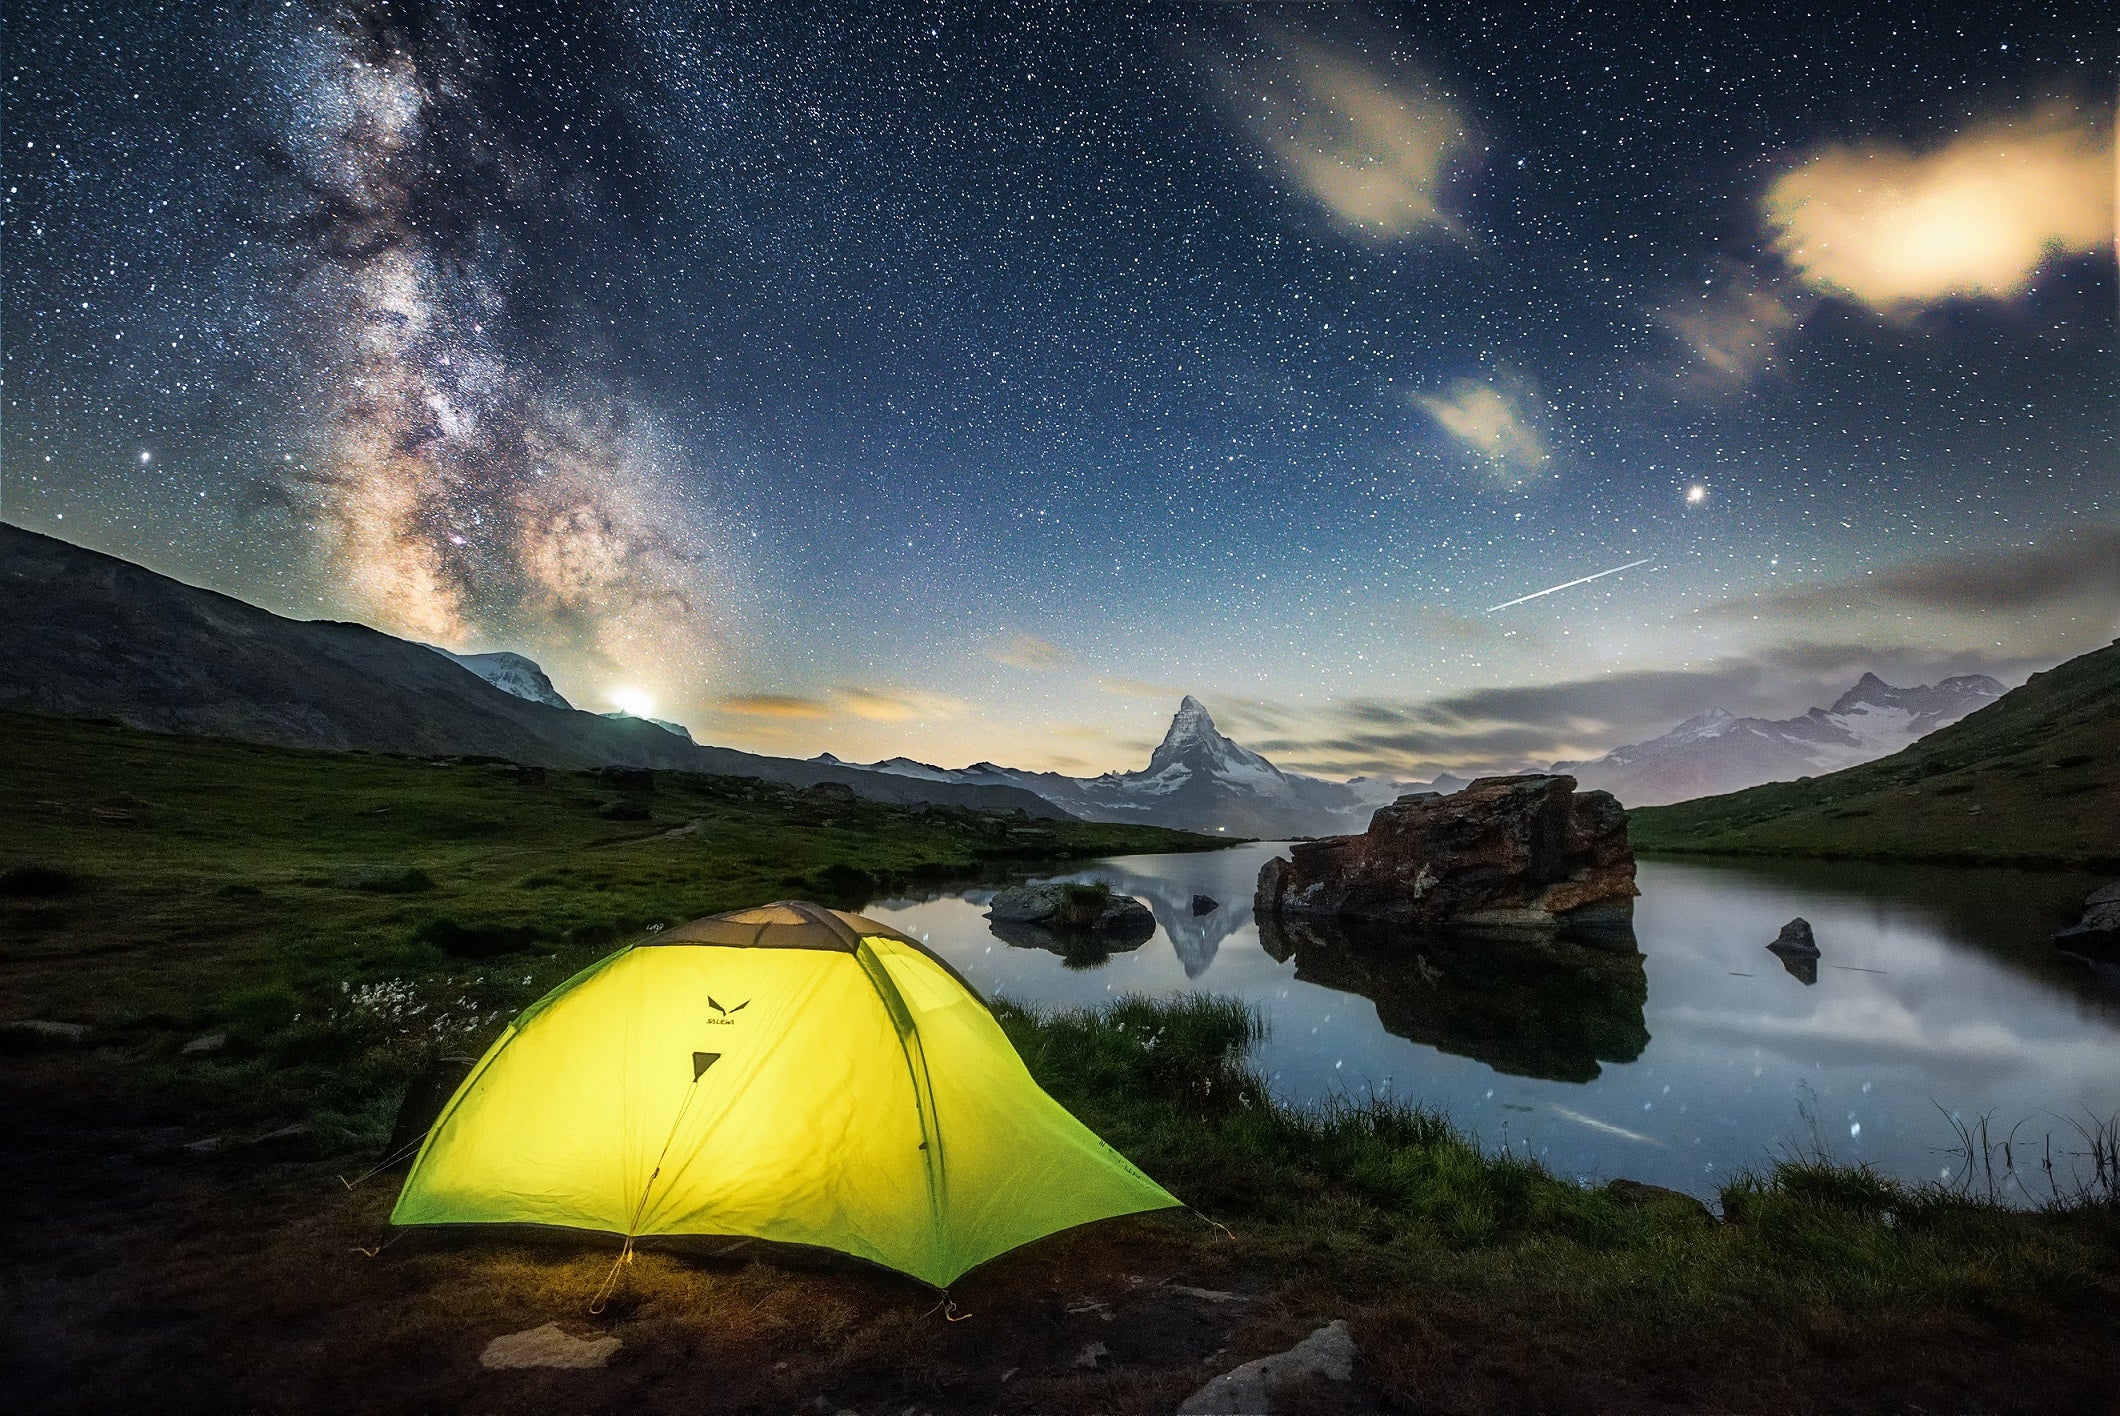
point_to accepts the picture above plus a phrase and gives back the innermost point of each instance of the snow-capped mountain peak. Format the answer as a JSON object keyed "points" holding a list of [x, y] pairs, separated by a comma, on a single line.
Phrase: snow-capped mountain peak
{"points": [[1194, 745], [1719, 752], [510, 673]]}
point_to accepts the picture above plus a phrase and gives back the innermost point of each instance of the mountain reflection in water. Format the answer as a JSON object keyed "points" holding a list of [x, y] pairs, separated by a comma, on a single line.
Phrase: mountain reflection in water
{"points": [[1526, 1009]]}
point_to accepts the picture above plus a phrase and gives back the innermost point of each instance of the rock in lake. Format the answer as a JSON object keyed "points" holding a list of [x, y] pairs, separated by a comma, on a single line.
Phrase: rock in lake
{"points": [[1527, 856], [1205, 904], [1072, 906], [2097, 934], [1795, 938], [1078, 922]]}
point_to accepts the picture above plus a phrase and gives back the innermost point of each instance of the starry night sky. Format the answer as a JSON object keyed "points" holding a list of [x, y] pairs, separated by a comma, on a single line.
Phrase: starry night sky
{"points": [[972, 381]]}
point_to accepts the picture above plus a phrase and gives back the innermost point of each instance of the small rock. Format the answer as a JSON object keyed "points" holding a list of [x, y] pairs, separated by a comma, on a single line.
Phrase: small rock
{"points": [[43, 1030], [1206, 1295], [1249, 1390], [2098, 932], [1795, 938], [547, 1346], [1094, 1357], [205, 1046], [1205, 904]]}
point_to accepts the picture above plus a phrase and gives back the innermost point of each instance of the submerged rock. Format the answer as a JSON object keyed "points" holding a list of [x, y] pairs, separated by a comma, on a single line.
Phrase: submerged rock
{"points": [[1526, 856], [1325, 1357], [2097, 934]]}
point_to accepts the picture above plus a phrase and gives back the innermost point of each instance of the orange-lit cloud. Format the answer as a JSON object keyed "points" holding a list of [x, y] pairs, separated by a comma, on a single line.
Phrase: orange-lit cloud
{"points": [[1139, 688], [895, 705], [1895, 228], [1733, 329], [773, 705], [1370, 143], [1027, 651], [1491, 424]]}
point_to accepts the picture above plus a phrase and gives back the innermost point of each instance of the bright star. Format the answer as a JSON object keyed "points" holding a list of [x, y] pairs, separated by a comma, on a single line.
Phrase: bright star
{"points": [[1696, 494]]}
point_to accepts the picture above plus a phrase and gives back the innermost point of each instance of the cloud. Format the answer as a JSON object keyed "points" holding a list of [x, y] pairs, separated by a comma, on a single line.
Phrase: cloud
{"points": [[1733, 329], [773, 705], [1139, 688], [1500, 729], [1370, 142], [1491, 424], [894, 705], [1027, 651], [2080, 566], [1894, 228]]}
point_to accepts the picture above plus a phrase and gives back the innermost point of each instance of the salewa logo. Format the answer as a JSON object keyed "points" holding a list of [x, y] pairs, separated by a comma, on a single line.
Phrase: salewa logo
{"points": [[728, 1015]]}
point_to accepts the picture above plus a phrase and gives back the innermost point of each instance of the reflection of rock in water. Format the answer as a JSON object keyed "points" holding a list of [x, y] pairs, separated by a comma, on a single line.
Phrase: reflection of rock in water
{"points": [[1526, 1008], [1078, 948], [1802, 967]]}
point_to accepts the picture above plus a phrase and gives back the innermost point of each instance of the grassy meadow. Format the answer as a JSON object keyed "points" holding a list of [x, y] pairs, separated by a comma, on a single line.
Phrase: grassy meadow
{"points": [[2032, 780], [262, 948]]}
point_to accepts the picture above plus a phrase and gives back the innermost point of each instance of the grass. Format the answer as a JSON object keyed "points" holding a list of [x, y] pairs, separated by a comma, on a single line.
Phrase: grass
{"points": [[159, 889], [2032, 780], [179, 1240]]}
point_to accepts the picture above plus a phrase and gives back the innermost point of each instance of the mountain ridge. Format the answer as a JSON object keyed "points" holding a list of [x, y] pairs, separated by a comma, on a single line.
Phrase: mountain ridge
{"points": [[1197, 779], [2030, 780], [89, 635], [1717, 751]]}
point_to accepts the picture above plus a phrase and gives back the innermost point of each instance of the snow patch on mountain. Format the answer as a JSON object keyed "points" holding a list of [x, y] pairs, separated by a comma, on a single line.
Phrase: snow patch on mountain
{"points": [[510, 673], [1719, 752]]}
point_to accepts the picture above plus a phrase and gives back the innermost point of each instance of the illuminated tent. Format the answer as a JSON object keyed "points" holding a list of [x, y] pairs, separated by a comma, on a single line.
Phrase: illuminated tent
{"points": [[788, 1073]]}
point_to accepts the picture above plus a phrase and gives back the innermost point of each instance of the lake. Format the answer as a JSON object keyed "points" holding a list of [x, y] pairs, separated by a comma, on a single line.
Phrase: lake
{"points": [[1937, 995]]}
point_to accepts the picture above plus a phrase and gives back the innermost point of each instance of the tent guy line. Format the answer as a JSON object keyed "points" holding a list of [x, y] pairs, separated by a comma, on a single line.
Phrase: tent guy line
{"points": [[1565, 585]]}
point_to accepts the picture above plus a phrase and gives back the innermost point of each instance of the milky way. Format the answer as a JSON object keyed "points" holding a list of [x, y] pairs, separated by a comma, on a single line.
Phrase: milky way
{"points": [[468, 493]]}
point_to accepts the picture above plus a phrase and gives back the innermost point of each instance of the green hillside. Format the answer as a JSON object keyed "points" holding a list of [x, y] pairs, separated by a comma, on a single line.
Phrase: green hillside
{"points": [[154, 886], [2032, 779]]}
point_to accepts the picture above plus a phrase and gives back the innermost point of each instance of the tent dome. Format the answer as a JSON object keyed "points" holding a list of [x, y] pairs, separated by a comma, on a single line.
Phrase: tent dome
{"points": [[788, 1073]]}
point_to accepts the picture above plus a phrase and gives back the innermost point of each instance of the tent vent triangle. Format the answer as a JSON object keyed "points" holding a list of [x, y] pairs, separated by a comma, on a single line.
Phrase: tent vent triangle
{"points": [[701, 1061]]}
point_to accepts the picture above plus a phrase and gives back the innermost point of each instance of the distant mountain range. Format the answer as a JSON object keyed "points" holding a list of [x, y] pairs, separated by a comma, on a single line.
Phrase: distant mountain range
{"points": [[83, 634], [1197, 780], [1718, 752], [2031, 780]]}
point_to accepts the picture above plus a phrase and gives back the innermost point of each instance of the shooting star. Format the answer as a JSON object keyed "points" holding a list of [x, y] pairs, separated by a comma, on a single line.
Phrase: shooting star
{"points": [[1568, 585]]}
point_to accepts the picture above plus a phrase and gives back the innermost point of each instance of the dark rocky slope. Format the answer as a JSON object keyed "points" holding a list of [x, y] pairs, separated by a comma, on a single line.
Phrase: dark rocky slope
{"points": [[88, 635]]}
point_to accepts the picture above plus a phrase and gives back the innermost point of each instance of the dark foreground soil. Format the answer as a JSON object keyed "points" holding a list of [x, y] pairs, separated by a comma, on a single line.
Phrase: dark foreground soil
{"points": [[144, 1277]]}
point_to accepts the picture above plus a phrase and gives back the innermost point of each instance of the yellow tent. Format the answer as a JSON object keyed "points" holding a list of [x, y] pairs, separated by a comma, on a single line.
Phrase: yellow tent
{"points": [[788, 1073]]}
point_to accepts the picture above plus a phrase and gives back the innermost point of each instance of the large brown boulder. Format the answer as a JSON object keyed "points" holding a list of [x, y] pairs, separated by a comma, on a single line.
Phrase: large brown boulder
{"points": [[1518, 855]]}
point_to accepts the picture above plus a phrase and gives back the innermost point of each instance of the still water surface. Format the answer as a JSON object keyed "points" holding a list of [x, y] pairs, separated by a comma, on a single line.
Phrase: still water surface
{"points": [[1937, 993]]}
